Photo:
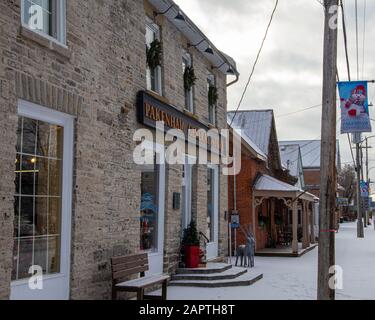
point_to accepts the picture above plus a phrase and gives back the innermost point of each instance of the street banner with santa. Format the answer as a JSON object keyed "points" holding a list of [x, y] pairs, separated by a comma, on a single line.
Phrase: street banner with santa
{"points": [[354, 107]]}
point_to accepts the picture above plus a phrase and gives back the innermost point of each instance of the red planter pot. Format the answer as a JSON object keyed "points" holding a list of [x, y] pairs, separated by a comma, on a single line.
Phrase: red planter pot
{"points": [[191, 256]]}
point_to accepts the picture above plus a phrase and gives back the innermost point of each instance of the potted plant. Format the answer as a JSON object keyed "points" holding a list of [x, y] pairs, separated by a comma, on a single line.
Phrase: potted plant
{"points": [[190, 244]]}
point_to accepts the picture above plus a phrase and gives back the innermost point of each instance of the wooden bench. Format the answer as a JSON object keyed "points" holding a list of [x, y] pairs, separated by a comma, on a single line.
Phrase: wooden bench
{"points": [[125, 266]]}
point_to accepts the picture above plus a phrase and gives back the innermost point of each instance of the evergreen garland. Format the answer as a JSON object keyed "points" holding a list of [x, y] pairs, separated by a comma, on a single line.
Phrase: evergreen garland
{"points": [[189, 78], [191, 237], [212, 95], [154, 54]]}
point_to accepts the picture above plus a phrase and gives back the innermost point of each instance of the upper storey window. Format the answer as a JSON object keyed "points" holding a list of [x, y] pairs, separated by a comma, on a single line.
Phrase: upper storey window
{"points": [[153, 51], [189, 80], [46, 17]]}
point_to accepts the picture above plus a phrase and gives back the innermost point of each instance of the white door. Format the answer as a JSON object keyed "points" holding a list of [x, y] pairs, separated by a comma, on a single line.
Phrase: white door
{"points": [[43, 197], [186, 194], [152, 212], [212, 211]]}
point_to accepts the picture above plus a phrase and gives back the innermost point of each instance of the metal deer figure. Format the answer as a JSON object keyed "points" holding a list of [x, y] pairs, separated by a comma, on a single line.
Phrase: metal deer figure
{"points": [[246, 252]]}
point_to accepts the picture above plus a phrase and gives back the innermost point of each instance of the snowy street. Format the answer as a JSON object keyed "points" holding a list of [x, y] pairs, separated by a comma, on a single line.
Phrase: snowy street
{"points": [[295, 278]]}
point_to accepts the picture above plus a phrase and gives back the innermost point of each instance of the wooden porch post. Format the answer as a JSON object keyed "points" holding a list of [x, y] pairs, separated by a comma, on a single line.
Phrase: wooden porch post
{"points": [[305, 226], [312, 220], [294, 227]]}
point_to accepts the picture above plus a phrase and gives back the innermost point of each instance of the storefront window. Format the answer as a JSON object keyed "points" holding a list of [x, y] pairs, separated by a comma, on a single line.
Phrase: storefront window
{"points": [[37, 203], [149, 208]]}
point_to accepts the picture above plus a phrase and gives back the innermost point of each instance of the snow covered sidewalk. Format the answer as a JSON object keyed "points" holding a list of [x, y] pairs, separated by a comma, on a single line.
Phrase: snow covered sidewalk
{"points": [[295, 278]]}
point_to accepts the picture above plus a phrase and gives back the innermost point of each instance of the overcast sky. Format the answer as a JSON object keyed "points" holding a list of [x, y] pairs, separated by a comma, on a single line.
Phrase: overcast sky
{"points": [[288, 76]]}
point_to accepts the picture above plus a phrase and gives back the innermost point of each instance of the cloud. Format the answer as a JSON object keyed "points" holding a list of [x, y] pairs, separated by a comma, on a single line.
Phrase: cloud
{"points": [[288, 76]]}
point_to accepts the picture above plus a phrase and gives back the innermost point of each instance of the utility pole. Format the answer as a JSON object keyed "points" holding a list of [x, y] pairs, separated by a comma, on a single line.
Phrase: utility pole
{"points": [[360, 231], [362, 199], [328, 183], [367, 181]]}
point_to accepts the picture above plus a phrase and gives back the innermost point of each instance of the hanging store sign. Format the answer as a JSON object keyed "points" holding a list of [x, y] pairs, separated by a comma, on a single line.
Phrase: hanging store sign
{"points": [[151, 110], [342, 202], [354, 107]]}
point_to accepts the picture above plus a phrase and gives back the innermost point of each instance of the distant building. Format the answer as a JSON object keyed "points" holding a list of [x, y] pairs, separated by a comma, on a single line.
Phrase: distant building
{"points": [[310, 152], [291, 159]]}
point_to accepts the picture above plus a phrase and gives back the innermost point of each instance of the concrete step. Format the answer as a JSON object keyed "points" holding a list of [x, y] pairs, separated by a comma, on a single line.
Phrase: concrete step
{"points": [[231, 273], [245, 279], [211, 268]]}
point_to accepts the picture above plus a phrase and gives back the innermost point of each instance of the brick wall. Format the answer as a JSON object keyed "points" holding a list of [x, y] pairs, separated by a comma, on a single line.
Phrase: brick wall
{"points": [[312, 180], [96, 78]]}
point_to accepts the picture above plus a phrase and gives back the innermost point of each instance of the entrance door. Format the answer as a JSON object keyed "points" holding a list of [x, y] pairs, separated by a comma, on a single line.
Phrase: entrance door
{"points": [[152, 215], [42, 209], [186, 193], [212, 211]]}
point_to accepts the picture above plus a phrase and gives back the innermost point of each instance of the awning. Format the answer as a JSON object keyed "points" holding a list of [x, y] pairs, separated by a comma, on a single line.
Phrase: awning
{"points": [[267, 186]]}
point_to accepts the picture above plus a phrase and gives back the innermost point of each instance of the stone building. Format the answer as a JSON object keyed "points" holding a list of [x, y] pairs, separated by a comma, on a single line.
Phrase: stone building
{"points": [[75, 85]]}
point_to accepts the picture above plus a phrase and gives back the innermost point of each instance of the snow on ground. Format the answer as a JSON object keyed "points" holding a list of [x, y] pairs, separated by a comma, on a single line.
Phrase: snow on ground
{"points": [[296, 278]]}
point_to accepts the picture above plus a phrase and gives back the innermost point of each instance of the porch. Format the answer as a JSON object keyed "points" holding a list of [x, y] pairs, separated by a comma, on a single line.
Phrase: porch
{"points": [[285, 251], [284, 218]]}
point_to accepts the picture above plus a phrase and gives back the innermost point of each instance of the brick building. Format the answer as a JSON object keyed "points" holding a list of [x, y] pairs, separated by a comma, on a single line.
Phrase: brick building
{"points": [[74, 83], [264, 192]]}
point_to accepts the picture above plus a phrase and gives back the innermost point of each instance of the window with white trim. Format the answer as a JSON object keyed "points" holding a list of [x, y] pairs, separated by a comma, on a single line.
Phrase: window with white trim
{"points": [[153, 76], [46, 17], [189, 94], [211, 106]]}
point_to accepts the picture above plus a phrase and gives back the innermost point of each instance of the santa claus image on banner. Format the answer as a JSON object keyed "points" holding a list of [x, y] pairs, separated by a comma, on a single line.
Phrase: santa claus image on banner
{"points": [[355, 105]]}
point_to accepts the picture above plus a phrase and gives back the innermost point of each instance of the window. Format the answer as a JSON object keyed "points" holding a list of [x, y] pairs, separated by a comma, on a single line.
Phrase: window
{"points": [[211, 106], [149, 208], [38, 196], [189, 95], [153, 76], [46, 17]]}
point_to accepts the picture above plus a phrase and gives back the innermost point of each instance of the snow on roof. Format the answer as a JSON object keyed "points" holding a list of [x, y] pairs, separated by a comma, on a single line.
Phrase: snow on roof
{"points": [[310, 152], [290, 157], [256, 124], [260, 154], [268, 183]]}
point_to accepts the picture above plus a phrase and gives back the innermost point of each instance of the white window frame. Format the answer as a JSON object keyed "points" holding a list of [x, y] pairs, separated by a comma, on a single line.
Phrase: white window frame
{"points": [[211, 109], [189, 94], [55, 286], [159, 87], [60, 23]]}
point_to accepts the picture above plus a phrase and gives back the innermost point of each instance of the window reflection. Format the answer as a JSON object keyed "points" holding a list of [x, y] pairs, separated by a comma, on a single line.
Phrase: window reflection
{"points": [[149, 209], [37, 205]]}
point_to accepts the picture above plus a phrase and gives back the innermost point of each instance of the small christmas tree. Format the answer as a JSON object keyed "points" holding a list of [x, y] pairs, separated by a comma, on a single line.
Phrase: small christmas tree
{"points": [[191, 235]]}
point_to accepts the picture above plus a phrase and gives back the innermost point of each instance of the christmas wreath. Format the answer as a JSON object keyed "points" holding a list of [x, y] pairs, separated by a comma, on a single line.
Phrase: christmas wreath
{"points": [[189, 78], [154, 54], [212, 95]]}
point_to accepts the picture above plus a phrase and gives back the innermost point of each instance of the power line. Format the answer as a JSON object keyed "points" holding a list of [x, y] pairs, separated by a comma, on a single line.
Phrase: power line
{"points": [[256, 61], [297, 111], [364, 37], [347, 64], [356, 36]]}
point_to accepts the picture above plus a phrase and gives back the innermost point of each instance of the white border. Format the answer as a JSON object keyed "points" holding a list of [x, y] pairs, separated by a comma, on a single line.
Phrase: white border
{"points": [[56, 286]]}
